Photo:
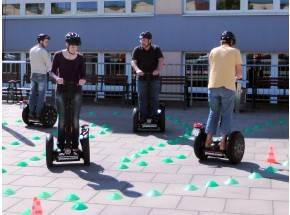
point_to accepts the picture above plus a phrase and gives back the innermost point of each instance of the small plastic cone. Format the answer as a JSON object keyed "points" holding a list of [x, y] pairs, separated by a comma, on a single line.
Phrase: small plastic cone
{"points": [[271, 156], [36, 207]]}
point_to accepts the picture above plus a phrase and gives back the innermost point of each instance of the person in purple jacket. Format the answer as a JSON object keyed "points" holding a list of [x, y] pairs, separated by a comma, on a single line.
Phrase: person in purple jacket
{"points": [[68, 71]]}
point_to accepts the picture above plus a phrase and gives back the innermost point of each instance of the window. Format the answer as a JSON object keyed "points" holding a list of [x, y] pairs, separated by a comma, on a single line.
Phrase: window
{"points": [[34, 9], [61, 8], [142, 6], [283, 65], [196, 63], [192, 5], [11, 9], [228, 5], [260, 4], [91, 60], [284, 4], [114, 7], [87, 7], [115, 63], [14, 68]]}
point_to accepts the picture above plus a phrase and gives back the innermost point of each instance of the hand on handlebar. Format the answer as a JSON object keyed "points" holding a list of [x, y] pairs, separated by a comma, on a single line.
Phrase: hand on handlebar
{"points": [[59, 80], [82, 82], [140, 72]]}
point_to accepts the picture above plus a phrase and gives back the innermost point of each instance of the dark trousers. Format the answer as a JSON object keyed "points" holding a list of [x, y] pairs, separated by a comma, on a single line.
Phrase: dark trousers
{"points": [[68, 101]]}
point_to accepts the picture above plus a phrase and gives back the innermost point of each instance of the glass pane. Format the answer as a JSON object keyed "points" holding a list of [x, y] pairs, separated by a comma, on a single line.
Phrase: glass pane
{"points": [[258, 65], [228, 4], [114, 6], [283, 65], [197, 5], [10, 9], [61, 8], [142, 6], [260, 4], [284, 4], [91, 60], [196, 63], [34, 9], [115, 64], [11, 56], [87, 7]]}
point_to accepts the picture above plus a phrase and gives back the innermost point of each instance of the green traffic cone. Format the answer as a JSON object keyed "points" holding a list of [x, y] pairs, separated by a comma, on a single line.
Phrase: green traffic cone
{"points": [[167, 160], [93, 125], [115, 196], [79, 206], [4, 148], [153, 193], [122, 166], [270, 169], [4, 171], [180, 156], [150, 148], [91, 136], [135, 155], [8, 192], [35, 137], [14, 143], [71, 197], [231, 181], [22, 164], [44, 195], [211, 184], [286, 164], [190, 187], [255, 175], [142, 163], [161, 145], [4, 124], [143, 151], [26, 212], [125, 160], [34, 158], [171, 142]]}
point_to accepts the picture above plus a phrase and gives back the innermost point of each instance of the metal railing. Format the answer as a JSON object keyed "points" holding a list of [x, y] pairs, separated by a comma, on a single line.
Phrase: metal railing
{"points": [[105, 80]]}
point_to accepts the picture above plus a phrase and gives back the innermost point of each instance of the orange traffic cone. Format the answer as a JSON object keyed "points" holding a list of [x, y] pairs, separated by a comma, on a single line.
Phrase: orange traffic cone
{"points": [[271, 156], [36, 207]]}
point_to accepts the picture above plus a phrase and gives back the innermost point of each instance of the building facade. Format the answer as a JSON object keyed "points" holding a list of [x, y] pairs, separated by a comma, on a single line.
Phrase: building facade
{"points": [[186, 30]]}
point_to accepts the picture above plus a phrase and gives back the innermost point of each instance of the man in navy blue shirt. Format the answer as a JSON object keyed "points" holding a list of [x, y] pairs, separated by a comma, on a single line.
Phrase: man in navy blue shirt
{"points": [[147, 61]]}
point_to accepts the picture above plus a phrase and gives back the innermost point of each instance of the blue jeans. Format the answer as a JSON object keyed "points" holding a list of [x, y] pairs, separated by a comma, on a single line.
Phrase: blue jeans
{"points": [[37, 93], [148, 94], [221, 103]]}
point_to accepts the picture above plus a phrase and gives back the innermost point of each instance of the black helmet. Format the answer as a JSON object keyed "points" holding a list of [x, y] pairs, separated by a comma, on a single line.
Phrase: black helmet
{"points": [[229, 37], [73, 38], [146, 35], [41, 37]]}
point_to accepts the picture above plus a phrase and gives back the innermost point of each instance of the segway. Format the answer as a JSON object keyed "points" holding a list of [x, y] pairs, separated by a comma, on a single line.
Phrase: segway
{"points": [[68, 153], [235, 145], [149, 125], [47, 117]]}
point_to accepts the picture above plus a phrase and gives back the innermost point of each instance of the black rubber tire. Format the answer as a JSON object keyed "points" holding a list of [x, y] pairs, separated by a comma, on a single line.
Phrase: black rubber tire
{"points": [[85, 143], [25, 113], [48, 116], [135, 120], [49, 150], [162, 118], [236, 147], [198, 145]]}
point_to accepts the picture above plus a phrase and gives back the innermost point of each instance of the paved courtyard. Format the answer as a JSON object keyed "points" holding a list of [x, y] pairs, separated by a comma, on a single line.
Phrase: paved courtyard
{"points": [[167, 179]]}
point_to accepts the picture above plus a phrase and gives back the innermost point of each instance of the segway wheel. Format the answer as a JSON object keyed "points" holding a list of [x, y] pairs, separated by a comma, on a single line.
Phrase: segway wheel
{"points": [[25, 113], [236, 147], [48, 116], [198, 146], [135, 119], [85, 143], [49, 151], [162, 119]]}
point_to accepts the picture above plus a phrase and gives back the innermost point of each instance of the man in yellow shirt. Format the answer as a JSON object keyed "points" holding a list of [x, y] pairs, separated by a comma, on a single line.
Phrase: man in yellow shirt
{"points": [[225, 68]]}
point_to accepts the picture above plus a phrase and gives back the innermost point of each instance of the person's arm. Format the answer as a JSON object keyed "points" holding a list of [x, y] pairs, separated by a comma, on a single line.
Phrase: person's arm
{"points": [[134, 63], [46, 60], [238, 67], [82, 80], [160, 62], [54, 70]]}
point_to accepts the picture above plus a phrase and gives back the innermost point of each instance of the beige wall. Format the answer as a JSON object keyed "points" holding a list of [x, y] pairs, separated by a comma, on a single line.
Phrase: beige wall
{"points": [[168, 7]]}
